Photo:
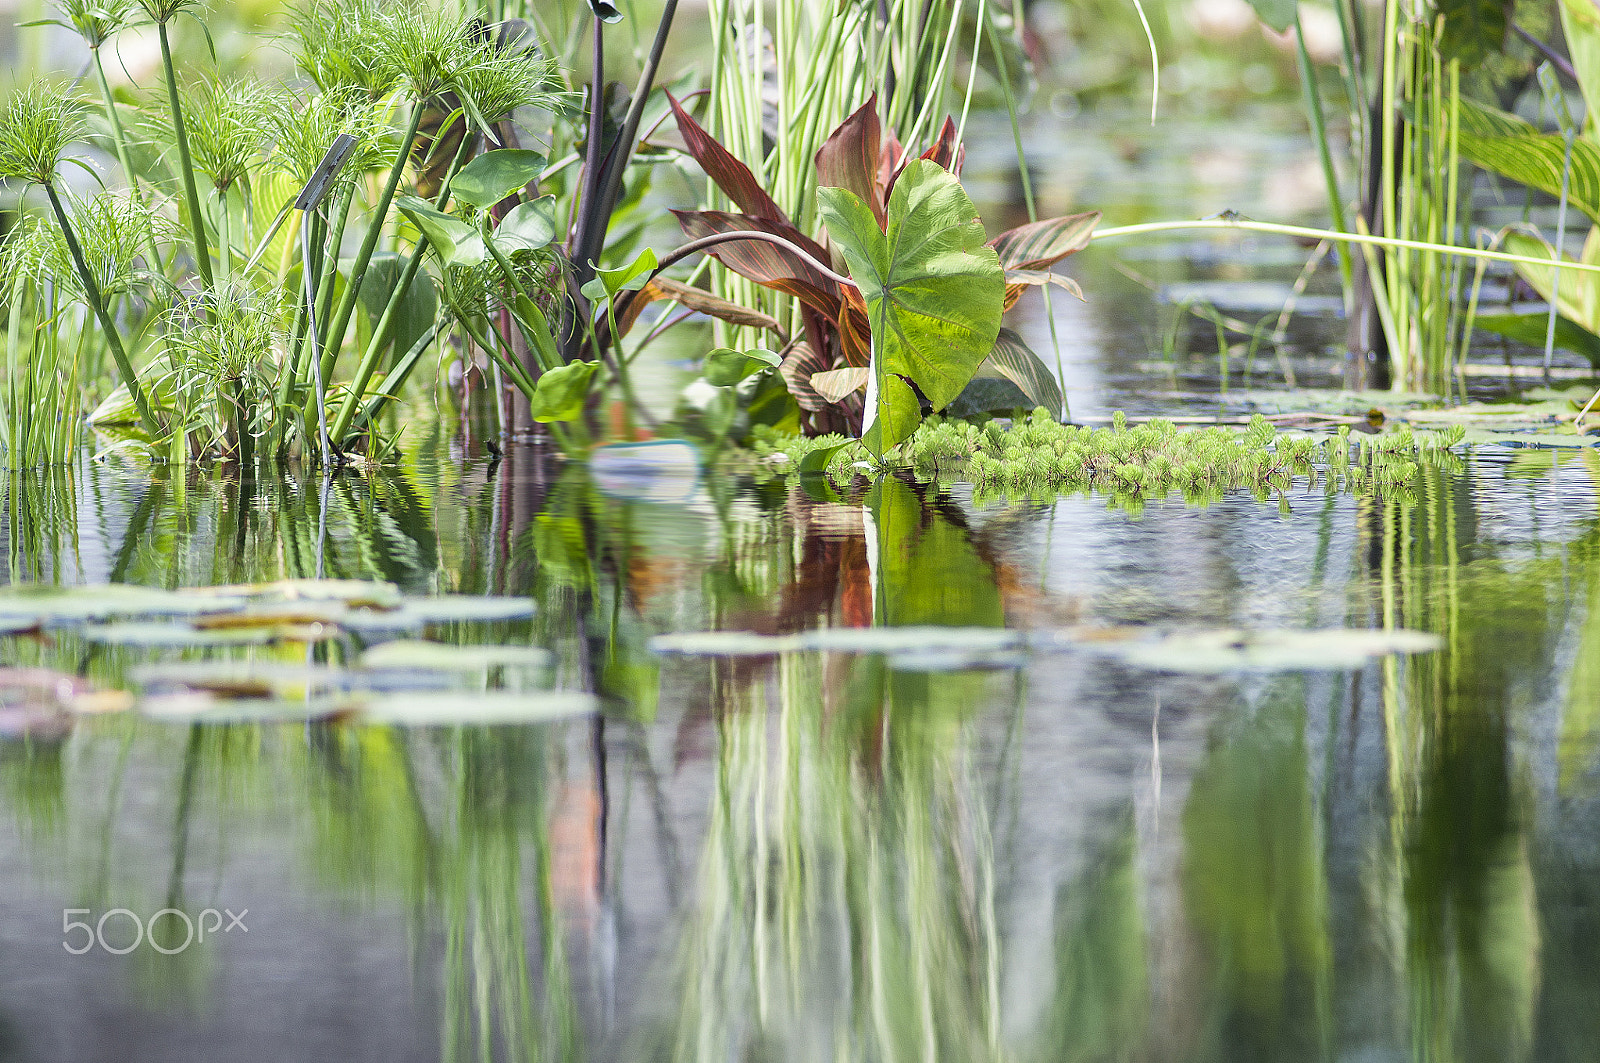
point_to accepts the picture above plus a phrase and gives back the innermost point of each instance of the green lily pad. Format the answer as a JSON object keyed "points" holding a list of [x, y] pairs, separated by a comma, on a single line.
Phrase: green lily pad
{"points": [[724, 644], [356, 593], [407, 653], [415, 613], [1233, 650], [99, 601], [154, 635], [479, 707], [893, 640]]}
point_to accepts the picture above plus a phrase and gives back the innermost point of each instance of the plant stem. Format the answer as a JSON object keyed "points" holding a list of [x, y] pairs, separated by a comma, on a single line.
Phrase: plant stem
{"points": [[1316, 234], [191, 192], [91, 292], [384, 330], [334, 337]]}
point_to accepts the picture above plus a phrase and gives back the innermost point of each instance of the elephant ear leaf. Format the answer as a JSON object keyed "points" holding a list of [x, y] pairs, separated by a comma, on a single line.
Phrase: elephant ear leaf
{"points": [[934, 293]]}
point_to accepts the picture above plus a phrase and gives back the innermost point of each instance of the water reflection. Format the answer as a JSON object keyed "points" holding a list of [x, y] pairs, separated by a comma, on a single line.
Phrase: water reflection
{"points": [[822, 855]]}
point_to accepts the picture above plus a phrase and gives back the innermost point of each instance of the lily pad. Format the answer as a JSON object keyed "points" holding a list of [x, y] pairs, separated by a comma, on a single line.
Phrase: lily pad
{"points": [[155, 635], [1233, 650], [407, 653], [99, 601], [355, 593], [414, 613], [491, 707], [894, 640]]}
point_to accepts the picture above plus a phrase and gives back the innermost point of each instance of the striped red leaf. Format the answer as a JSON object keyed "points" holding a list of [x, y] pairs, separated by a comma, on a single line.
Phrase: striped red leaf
{"points": [[849, 157], [1041, 244], [730, 175], [766, 263]]}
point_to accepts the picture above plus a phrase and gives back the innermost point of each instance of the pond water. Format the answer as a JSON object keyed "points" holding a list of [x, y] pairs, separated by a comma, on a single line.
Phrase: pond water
{"points": [[826, 854], [1028, 847]]}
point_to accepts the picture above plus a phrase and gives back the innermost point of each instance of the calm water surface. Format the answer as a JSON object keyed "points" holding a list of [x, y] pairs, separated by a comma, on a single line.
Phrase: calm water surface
{"points": [[824, 856]]}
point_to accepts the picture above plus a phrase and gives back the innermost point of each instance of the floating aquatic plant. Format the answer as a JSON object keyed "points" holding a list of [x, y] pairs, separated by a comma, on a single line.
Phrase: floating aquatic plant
{"points": [[1036, 455]]}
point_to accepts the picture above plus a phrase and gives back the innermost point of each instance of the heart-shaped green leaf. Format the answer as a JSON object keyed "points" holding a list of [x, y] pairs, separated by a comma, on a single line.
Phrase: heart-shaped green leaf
{"points": [[529, 227], [560, 393], [934, 293], [630, 278], [494, 175], [726, 367], [456, 242]]}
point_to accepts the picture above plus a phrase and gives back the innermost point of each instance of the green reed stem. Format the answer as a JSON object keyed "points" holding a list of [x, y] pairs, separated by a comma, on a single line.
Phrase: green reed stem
{"points": [[91, 293], [1304, 232], [191, 191], [334, 337]]}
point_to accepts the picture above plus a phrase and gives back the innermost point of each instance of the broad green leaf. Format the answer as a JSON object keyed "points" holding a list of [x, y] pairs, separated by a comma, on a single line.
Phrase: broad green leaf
{"points": [[1580, 25], [417, 308], [562, 391], [1473, 29], [494, 175], [1577, 300], [726, 367], [1530, 329], [934, 293], [635, 275], [1509, 146], [1013, 359], [456, 242], [529, 227]]}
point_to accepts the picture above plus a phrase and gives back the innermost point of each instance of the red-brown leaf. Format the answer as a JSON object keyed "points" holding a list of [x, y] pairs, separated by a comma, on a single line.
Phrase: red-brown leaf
{"points": [[730, 175], [765, 263], [1041, 244], [947, 150], [848, 159]]}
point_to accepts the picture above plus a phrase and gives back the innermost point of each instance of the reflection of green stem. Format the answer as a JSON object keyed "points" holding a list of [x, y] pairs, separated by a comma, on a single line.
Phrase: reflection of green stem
{"points": [[180, 827], [191, 192]]}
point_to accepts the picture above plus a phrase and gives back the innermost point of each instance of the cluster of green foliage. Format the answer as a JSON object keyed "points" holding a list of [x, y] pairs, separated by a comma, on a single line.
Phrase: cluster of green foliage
{"points": [[1036, 456]]}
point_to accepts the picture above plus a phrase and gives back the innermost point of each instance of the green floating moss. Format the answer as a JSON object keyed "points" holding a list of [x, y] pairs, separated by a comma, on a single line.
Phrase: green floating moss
{"points": [[1037, 457]]}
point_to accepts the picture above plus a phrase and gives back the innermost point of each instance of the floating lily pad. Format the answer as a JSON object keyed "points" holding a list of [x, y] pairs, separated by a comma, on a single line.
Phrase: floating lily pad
{"points": [[724, 644], [1231, 650], [956, 660], [99, 601], [491, 707], [275, 614], [407, 653], [355, 593], [414, 613], [183, 636], [959, 640], [206, 707]]}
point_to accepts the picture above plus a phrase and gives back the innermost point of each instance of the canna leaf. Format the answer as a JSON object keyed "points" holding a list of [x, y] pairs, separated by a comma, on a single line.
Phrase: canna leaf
{"points": [[1041, 244], [695, 299], [729, 174], [1014, 360], [1509, 146], [836, 384], [767, 264], [849, 157]]}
